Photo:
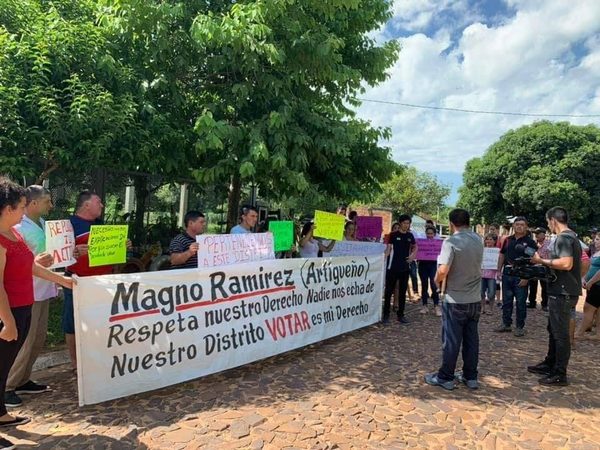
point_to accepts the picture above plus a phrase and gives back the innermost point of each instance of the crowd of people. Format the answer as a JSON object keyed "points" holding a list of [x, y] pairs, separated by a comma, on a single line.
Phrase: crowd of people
{"points": [[456, 284]]}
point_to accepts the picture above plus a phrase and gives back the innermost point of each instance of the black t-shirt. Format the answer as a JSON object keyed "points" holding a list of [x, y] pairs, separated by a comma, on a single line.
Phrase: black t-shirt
{"points": [[181, 243], [568, 282], [401, 244], [509, 247]]}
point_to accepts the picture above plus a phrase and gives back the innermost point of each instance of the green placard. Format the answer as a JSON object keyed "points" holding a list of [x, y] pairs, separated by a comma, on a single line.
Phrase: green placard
{"points": [[283, 233], [329, 225], [107, 245]]}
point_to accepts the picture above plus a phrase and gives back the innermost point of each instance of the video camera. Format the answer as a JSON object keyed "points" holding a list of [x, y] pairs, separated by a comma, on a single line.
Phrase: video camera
{"points": [[523, 268]]}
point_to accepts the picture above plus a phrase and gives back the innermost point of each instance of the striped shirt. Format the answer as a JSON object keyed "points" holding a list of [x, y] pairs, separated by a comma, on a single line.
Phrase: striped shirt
{"points": [[181, 243]]}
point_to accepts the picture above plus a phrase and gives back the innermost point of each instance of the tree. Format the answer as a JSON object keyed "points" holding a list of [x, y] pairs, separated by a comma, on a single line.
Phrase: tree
{"points": [[410, 191], [60, 105], [279, 81], [535, 167]]}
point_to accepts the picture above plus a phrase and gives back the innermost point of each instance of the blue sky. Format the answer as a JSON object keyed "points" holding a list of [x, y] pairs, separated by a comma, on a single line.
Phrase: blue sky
{"points": [[526, 56]]}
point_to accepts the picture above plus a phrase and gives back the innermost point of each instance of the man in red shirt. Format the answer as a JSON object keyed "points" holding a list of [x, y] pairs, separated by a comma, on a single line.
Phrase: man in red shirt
{"points": [[88, 210]]}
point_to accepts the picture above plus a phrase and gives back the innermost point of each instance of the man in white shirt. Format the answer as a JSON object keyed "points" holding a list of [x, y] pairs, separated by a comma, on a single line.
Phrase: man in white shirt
{"points": [[39, 203]]}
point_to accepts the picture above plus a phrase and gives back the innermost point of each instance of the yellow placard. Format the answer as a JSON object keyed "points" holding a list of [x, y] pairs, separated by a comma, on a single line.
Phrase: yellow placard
{"points": [[107, 245], [329, 225]]}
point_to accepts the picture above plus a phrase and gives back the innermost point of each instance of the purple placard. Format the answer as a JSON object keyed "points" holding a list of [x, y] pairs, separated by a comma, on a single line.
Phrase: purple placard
{"points": [[369, 227], [429, 249]]}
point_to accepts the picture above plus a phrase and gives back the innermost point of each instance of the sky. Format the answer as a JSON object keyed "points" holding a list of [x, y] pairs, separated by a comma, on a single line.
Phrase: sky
{"points": [[520, 56]]}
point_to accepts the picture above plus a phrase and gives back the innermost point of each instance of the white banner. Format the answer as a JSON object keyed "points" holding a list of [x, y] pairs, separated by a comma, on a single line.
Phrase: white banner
{"points": [[490, 258], [60, 242], [226, 249], [356, 248], [139, 332]]}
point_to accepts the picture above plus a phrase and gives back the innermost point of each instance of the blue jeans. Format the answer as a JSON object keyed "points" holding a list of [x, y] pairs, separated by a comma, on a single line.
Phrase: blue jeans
{"points": [[427, 271], [511, 291], [460, 326], [488, 286]]}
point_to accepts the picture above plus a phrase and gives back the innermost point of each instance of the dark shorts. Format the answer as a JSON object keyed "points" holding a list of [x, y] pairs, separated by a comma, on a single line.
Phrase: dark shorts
{"points": [[593, 296], [68, 318]]}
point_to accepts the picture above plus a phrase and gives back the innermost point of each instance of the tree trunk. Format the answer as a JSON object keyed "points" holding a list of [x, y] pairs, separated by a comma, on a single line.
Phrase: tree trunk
{"points": [[140, 183], [233, 201]]}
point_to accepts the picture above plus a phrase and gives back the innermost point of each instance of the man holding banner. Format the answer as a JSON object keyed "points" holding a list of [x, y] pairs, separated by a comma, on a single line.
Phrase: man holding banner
{"points": [[39, 203], [184, 247], [88, 210]]}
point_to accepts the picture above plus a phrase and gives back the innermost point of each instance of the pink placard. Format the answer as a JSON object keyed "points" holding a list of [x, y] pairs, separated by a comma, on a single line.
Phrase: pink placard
{"points": [[429, 249], [369, 227]]}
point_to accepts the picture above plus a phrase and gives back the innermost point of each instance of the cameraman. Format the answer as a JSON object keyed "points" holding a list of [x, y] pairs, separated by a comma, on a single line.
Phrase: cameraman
{"points": [[563, 293], [518, 245]]}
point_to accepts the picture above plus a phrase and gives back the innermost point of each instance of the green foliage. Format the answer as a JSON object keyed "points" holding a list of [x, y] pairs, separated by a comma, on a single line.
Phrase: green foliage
{"points": [[279, 78], [254, 91], [533, 168], [410, 191]]}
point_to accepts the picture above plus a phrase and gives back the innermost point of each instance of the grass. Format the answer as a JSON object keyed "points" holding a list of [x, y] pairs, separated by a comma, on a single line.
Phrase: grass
{"points": [[56, 337]]}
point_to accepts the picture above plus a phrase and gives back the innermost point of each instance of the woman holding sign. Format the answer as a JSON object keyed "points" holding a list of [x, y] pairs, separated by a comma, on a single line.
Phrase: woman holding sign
{"points": [[309, 246], [17, 268]]}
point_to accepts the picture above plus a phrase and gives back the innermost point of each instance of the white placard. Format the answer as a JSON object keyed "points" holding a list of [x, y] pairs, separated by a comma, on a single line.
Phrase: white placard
{"points": [[60, 242], [490, 258], [226, 249], [139, 332], [356, 248]]}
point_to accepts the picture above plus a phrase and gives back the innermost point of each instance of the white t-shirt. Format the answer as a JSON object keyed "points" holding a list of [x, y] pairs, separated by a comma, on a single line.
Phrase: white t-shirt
{"points": [[35, 237], [310, 249]]}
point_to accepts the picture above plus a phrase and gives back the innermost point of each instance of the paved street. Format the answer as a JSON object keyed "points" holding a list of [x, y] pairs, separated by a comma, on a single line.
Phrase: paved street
{"points": [[361, 390]]}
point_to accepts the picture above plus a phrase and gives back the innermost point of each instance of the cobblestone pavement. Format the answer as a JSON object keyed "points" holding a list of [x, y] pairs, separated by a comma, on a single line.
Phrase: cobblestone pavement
{"points": [[361, 390]]}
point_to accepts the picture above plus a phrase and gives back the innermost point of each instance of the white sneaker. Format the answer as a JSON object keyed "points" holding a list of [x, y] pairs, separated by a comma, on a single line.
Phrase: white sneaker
{"points": [[438, 311], [424, 310]]}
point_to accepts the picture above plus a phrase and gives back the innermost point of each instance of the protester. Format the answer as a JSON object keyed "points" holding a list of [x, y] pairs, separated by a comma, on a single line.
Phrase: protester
{"points": [[184, 248], [427, 271], [488, 278], [593, 233], [32, 228], [248, 218], [402, 250], [513, 287], [544, 252], [591, 283], [494, 229], [563, 293], [17, 269], [349, 231], [460, 272], [309, 246], [88, 210]]}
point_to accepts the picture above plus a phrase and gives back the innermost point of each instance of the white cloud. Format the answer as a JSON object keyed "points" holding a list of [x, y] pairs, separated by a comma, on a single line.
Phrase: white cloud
{"points": [[524, 64]]}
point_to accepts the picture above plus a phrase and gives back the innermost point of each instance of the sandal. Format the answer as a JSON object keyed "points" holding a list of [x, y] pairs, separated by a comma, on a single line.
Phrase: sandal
{"points": [[18, 420]]}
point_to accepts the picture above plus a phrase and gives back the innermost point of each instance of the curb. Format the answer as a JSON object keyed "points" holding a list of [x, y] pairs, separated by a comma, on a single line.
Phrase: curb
{"points": [[51, 359]]}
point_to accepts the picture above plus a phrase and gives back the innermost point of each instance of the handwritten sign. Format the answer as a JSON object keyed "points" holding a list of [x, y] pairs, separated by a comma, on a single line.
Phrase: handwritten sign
{"points": [[329, 225], [355, 248], [490, 258], [60, 242], [429, 249], [369, 227], [107, 245], [225, 249], [283, 233]]}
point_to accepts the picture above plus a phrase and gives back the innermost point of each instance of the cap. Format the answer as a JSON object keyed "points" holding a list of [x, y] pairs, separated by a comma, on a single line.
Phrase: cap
{"points": [[594, 230], [539, 230]]}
